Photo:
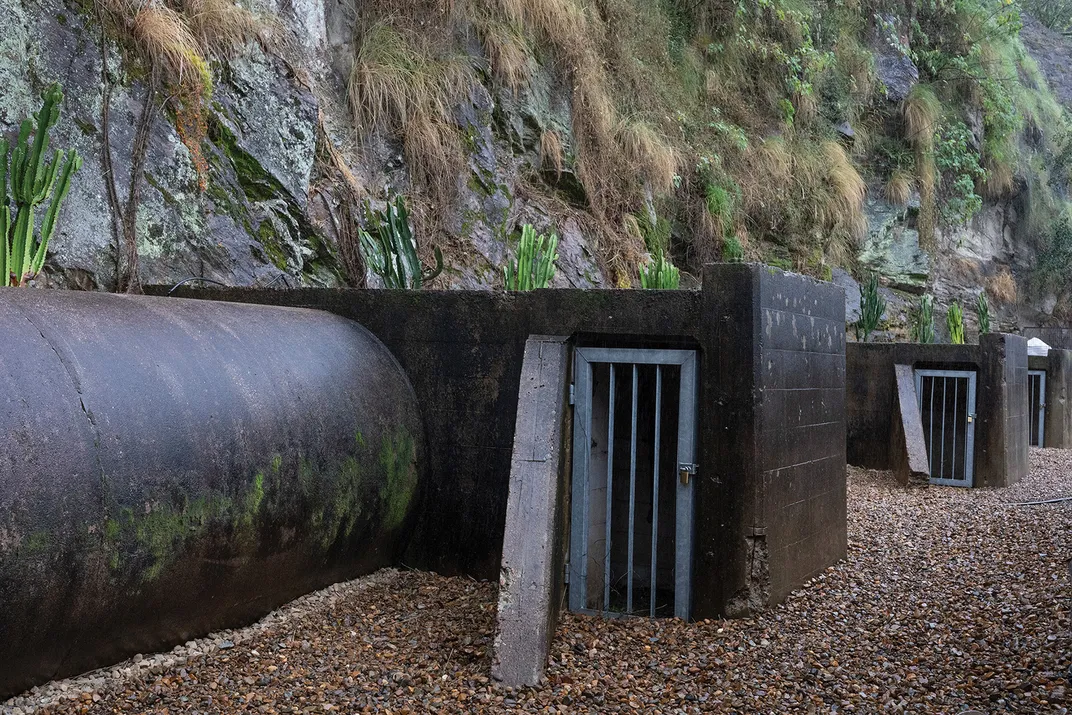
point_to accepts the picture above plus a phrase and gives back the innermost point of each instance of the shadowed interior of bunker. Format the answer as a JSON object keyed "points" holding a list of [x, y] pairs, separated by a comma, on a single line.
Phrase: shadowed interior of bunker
{"points": [[634, 501], [944, 408]]}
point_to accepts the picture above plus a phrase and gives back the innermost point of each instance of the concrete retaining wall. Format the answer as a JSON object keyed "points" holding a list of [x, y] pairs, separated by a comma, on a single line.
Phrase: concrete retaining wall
{"points": [[760, 333]]}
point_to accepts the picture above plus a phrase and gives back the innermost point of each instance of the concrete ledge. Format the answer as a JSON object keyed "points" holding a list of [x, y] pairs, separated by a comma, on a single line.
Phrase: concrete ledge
{"points": [[529, 580]]}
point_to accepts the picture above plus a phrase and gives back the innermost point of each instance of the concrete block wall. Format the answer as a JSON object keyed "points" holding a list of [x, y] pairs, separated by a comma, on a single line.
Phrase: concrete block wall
{"points": [[1003, 433], [463, 352], [871, 392], [1001, 430], [1058, 430], [801, 417]]}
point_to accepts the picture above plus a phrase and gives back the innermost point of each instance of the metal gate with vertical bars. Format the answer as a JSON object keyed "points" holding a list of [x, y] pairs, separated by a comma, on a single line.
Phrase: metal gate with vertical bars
{"points": [[947, 406], [1036, 386], [633, 468]]}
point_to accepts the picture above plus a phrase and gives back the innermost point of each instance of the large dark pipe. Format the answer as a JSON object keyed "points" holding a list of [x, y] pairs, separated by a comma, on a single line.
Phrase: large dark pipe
{"points": [[171, 467]]}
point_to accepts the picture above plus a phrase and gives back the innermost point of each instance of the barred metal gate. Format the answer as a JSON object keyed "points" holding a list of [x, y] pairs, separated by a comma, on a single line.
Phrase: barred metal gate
{"points": [[633, 467], [1036, 386], [947, 405]]}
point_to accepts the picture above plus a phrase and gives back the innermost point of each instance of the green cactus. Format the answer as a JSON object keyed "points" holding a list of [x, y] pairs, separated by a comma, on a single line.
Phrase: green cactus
{"points": [[982, 310], [923, 320], [872, 306], [955, 320], [32, 181], [660, 273], [534, 266], [390, 249]]}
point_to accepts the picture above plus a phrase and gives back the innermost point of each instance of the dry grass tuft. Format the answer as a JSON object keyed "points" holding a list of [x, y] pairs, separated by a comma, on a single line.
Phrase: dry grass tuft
{"points": [[400, 87], [221, 26], [927, 221], [165, 41], [507, 51], [394, 80], [1000, 179], [921, 111], [846, 203], [899, 187], [433, 153], [806, 108], [1002, 287], [561, 23], [551, 153], [649, 155]]}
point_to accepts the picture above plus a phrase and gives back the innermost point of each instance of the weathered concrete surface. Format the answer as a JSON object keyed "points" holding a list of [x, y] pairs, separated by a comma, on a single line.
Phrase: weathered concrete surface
{"points": [[1058, 431], [463, 350], [908, 449], [871, 392], [175, 467], [800, 517], [530, 580], [1003, 429]]}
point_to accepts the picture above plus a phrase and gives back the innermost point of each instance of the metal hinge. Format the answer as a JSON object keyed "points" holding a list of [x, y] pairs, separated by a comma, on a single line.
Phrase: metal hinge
{"points": [[565, 578], [572, 393]]}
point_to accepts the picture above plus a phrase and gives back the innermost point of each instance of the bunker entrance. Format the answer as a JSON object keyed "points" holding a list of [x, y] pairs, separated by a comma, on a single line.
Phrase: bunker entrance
{"points": [[947, 407], [1036, 388], [633, 481]]}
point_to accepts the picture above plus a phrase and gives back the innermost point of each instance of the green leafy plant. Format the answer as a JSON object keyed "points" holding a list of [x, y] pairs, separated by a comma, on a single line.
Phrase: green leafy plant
{"points": [[660, 273], [872, 306], [923, 320], [982, 310], [390, 250], [32, 181], [732, 251], [534, 265], [955, 320], [959, 163]]}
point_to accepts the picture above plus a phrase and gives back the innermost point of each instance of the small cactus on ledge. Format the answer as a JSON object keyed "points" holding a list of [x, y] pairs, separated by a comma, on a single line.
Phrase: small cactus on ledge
{"points": [[28, 180], [955, 320], [872, 306], [982, 309], [923, 320], [534, 265]]}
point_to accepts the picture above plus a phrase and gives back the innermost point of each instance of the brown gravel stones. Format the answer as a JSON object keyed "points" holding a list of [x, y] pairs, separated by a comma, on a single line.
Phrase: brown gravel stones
{"points": [[950, 600]]}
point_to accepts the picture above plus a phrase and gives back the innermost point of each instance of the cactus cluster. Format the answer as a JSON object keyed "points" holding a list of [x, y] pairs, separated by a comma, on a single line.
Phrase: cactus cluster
{"points": [[872, 306], [923, 320], [660, 273], [534, 265], [28, 181], [390, 250], [982, 309], [955, 320]]}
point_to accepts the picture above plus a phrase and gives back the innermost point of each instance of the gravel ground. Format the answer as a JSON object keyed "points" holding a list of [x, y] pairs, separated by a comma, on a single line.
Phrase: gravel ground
{"points": [[949, 600]]}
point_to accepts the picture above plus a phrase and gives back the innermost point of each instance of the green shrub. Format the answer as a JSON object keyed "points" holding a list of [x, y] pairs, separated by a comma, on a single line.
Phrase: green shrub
{"points": [[959, 165], [732, 251], [390, 249]]}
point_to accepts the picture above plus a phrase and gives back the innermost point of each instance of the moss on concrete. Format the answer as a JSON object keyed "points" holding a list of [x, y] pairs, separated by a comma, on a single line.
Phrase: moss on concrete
{"points": [[398, 459]]}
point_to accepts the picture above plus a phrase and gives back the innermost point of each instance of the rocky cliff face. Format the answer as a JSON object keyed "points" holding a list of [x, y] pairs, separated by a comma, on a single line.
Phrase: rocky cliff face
{"points": [[268, 210], [286, 168]]}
